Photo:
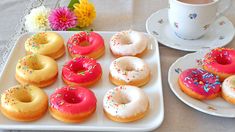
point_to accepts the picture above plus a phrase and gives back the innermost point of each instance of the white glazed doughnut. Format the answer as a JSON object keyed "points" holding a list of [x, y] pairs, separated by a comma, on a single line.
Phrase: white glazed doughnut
{"points": [[228, 89], [129, 70], [125, 103], [128, 43]]}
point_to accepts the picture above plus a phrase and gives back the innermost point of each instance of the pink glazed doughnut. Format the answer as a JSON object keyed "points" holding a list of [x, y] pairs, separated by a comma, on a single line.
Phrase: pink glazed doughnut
{"points": [[221, 62], [86, 44], [81, 71], [72, 104], [199, 84]]}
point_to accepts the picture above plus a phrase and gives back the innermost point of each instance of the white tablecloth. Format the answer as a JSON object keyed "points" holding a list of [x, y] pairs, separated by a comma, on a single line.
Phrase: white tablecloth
{"points": [[116, 15]]}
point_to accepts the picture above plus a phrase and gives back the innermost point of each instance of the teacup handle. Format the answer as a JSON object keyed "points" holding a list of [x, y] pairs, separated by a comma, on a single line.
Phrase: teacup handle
{"points": [[220, 13]]}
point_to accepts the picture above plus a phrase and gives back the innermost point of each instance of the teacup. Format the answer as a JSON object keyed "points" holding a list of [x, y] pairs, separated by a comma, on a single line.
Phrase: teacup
{"points": [[191, 19]]}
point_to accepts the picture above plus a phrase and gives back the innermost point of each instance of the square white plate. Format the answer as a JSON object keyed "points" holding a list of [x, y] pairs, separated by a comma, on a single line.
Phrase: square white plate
{"points": [[98, 121]]}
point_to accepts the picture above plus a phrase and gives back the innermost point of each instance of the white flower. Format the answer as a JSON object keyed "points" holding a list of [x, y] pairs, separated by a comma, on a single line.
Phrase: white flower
{"points": [[37, 19]]}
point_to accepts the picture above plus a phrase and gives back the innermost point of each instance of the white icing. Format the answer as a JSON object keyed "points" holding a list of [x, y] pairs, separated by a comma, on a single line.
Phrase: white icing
{"points": [[128, 43], [135, 98], [228, 86], [129, 69]]}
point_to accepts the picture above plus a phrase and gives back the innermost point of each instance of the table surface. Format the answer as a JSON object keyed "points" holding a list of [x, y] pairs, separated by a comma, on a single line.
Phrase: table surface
{"points": [[116, 15]]}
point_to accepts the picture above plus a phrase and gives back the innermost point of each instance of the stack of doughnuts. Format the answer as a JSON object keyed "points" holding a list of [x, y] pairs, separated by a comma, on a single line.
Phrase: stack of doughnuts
{"points": [[75, 102], [216, 78]]}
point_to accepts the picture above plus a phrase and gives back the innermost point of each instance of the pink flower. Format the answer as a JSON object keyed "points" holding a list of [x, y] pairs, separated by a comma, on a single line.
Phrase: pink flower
{"points": [[62, 19]]}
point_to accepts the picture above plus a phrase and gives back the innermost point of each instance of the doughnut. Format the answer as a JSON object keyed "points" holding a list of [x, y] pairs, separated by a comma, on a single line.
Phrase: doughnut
{"points": [[221, 62], [228, 89], [72, 104], [38, 70], [46, 43], [24, 103], [81, 71], [129, 70], [199, 84], [86, 44], [128, 43], [125, 103]]}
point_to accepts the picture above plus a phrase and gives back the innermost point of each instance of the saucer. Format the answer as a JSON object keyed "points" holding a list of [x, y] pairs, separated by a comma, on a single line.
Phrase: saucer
{"points": [[220, 33]]}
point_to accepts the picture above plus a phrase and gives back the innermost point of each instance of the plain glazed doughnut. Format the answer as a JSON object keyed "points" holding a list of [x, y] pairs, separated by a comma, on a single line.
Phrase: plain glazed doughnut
{"points": [[24, 103], [125, 103], [38, 70], [129, 70], [46, 43]]}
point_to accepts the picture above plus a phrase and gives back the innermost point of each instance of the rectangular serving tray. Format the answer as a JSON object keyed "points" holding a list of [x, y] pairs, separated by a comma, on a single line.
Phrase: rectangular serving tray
{"points": [[98, 121]]}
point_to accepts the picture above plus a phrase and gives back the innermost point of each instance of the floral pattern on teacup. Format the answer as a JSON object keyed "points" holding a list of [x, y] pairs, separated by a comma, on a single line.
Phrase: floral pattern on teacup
{"points": [[176, 24], [211, 108], [221, 37], [178, 70], [206, 26], [221, 23], [192, 16], [155, 33], [160, 21]]}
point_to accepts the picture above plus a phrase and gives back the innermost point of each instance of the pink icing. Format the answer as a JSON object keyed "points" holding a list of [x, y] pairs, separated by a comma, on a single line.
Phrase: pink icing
{"points": [[73, 100], [91, 70], [201, 81], [221, 60], [94, 39]]}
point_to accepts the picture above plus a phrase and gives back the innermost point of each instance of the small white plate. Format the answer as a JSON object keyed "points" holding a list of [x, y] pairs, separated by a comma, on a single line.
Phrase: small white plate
{"points": [[220, 33], [216, 107], [98, 121]]}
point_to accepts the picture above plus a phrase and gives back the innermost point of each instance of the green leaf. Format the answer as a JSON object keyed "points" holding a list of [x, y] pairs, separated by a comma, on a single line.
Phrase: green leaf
{"points": [[74, 29], [71, 3], [88, 30], [77, 28]]}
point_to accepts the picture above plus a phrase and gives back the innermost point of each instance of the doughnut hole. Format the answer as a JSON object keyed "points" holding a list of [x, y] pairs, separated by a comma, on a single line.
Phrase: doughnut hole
{"points": [[33, 63], [84, 43], [126, 40], [127, 66], [121, 98], [72, 98], [26, 98], [77, 68], [80, 70], [36, 66], [40, 38], [223, 59]]}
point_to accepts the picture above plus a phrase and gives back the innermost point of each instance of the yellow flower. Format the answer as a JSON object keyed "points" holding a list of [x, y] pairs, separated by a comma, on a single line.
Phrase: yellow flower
{"points": [[85, 13]]}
